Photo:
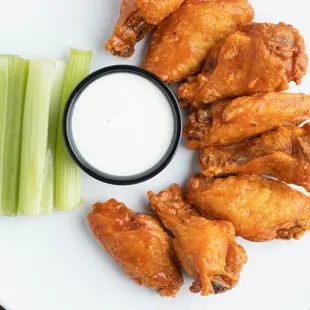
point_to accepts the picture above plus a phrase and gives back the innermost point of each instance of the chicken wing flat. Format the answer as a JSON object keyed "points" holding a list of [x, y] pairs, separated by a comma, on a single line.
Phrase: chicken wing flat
{"points": [[260, 209], [259, 58], [181, 43], [138, 245], [231, 121], [137, 19], [283, 153], [206, 249]]}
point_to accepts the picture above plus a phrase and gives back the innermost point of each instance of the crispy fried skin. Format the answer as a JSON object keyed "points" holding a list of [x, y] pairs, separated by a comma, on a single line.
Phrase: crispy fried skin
{"points": [[138, 245], [137, 19], [206, 249], [259, 58], [232, 121], [283, 153], [260, 209], [181, 43]]}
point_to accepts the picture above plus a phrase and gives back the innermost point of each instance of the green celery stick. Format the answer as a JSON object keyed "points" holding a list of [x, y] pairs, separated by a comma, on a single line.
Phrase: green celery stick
{"points": [[47, 202], [11, 143], [68, 176], [4, 81], [18, 72], [35, 135]]}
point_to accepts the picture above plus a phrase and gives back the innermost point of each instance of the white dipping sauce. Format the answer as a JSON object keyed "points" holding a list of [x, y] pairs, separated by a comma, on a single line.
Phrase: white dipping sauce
{"points": [[122, 124]]}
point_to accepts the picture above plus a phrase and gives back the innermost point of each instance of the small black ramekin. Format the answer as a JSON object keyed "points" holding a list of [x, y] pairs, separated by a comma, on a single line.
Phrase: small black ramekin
{"points": [[108, 178]]}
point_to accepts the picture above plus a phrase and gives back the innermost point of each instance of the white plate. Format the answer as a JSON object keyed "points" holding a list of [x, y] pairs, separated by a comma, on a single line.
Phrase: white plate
{"points": [[53, 262]]}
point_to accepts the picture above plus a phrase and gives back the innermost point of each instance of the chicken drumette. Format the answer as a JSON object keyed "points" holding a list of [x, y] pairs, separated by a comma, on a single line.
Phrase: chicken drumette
{"points": [[181, 43], [137, 19], [283, 153], [232, 121], [260, 209], [260, 58], [138, 245], [206, 249]]}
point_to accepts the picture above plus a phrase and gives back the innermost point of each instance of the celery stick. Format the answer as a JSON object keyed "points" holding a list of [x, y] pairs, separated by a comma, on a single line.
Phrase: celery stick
{"points": [[34, 135], [4, 81], [47, 202], [68, 177], [9, 170]]}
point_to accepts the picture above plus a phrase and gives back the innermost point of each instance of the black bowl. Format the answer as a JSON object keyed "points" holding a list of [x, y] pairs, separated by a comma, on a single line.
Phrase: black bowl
{"points": [[108, 178]]}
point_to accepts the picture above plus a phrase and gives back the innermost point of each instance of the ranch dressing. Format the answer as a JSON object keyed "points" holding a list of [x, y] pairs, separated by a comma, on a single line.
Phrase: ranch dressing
{"points": [[122, 124]]}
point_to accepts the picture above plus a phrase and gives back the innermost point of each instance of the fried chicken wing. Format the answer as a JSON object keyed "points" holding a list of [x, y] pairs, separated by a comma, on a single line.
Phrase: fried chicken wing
{"points": [[232, 121], [137, 19], [138, 245], [206, 249], [260, 209], [181, 43], [283, 153], [260, 58]]}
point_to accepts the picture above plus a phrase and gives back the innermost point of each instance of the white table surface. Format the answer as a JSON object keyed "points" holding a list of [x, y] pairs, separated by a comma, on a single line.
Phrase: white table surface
{"points": [[53, 262]]}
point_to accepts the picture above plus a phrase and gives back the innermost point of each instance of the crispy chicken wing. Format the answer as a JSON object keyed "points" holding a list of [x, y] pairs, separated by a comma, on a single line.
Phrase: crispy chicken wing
{"points": [[283, 153], [260, 209], [232, 121], [138, 245], [181, 43], [206, 249], [259, 58], [137, 19]]}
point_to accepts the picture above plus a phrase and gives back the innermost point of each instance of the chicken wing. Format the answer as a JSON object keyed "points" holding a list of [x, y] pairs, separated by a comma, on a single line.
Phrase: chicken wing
{"points": [[283, 153], [206, 249], [138, 245], [260, 209], [181, 43], [232, 121], [259, 58], [137, 19]]}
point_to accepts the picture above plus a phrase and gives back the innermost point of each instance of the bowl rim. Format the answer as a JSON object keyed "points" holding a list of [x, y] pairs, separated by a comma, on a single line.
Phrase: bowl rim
{"points": [[92, 171]]}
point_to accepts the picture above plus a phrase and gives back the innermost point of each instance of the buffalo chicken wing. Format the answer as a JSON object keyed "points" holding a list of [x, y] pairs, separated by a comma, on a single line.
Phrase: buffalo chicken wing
{"points": [[137, 19], [138, 245], [181, 43], [283, 153], [260, 209], [232, 121], [206, 249], [260, 58]]}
